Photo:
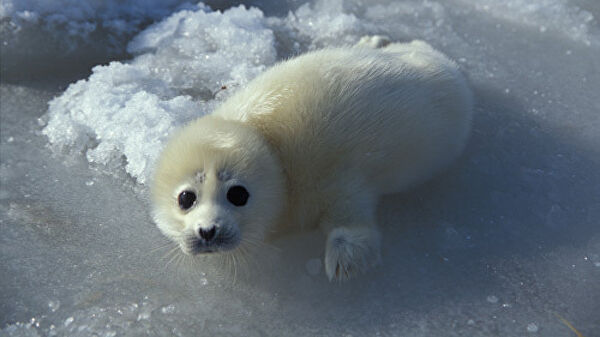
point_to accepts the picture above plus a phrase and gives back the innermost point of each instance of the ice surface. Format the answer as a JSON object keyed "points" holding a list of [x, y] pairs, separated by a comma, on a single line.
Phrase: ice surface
{"points": [[505, 243], [556, 17]]}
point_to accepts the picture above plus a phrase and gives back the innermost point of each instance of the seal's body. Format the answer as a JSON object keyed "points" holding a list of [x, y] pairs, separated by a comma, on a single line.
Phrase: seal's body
{"points": [[315, 141]]}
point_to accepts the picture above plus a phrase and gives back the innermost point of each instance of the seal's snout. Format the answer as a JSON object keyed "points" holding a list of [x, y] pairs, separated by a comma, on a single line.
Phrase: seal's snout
{"points": [[208, 234]]}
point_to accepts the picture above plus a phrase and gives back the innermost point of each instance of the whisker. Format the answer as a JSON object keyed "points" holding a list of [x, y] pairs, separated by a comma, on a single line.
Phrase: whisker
{"points": [[234, 269], [170, 253], [196, 267], [230, 266], [161, 246], [175, 256], [253, 245], [186, 261]]}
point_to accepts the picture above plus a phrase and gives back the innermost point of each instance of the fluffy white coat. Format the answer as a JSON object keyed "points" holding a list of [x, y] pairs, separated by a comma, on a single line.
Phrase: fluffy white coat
{"points": [[316, 140]]}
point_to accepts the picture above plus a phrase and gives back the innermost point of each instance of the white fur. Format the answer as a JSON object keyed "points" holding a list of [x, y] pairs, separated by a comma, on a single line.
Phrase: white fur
{"points": [[319, 138]]}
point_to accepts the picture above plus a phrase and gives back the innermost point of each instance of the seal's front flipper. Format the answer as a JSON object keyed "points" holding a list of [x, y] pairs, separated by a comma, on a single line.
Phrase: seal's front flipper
{"points": [[351, 251]]}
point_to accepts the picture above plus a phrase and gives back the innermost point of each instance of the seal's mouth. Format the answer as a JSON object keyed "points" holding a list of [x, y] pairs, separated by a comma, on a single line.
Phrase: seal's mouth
{"points": [[221, 243], [197, 251]]}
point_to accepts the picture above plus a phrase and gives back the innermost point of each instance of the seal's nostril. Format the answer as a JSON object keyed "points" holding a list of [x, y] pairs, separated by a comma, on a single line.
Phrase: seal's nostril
{"points": [[208, 234]]}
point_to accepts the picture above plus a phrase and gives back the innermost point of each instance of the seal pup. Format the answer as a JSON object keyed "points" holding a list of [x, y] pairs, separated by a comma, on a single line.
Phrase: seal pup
{"points": [[314, 142]]}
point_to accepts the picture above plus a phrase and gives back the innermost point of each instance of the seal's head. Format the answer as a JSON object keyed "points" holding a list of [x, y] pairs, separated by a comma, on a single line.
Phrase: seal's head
{"points": [[217, 185]]}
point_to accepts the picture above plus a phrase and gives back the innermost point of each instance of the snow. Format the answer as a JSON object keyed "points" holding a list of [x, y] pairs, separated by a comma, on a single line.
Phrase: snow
{"points": [[505, 243], [532, 327]]}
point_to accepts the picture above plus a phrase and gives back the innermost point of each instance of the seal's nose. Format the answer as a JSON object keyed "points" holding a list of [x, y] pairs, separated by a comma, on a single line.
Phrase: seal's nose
{"points": [[208, 234]]}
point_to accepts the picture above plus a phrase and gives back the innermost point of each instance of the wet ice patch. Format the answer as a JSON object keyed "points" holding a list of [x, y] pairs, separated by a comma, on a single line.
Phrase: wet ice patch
{"points": [[78, 19], [124, 112], [71, 34]]}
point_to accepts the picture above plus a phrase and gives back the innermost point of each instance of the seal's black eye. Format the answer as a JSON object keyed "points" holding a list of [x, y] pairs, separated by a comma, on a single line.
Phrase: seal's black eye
{"points": [[186, 199], [238, 195]]}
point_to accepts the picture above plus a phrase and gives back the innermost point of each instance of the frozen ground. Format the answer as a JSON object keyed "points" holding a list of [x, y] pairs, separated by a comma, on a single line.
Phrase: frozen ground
{"points": [[506, 243]]}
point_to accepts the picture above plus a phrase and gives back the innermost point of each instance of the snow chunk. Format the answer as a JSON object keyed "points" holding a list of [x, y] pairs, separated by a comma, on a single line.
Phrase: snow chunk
{"points": [[69, 320], [325, 23], [125, 111], [54, 305], [492, 299], [169, 309], [532, 327]]}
